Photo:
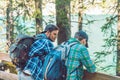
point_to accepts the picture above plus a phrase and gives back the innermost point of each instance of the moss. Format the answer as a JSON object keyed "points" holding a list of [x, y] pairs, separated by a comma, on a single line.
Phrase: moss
{"points": [[10, 66]]}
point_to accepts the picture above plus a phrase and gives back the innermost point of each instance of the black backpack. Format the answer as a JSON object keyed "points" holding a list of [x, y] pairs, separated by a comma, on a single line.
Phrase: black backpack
{"points": [[19, 50]]}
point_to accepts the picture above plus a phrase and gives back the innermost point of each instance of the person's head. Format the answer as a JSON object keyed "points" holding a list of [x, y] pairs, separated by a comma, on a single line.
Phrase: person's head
{"points": [[51, 31], [82, 37]]}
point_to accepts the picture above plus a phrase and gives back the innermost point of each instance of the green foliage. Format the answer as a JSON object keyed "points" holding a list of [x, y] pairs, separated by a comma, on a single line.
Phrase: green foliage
{"points": [[22, 19], [37, 14], [107, 68], [109, 46], [107, 27], [22, 26]]}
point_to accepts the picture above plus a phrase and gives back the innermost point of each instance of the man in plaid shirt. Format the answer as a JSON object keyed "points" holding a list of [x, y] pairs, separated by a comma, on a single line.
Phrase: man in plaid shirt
{"points": [[79, 57], [42, 46]]}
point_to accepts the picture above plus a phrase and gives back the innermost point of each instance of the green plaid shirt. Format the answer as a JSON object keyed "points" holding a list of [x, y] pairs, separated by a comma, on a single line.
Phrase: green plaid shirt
{"points": [[78, 57]]}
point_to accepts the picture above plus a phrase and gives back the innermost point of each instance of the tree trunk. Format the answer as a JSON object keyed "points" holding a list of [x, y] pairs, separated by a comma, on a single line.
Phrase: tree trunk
{"points": [[80, 8], [10, 26], [38, 6], [118, 43], [63, 19]]}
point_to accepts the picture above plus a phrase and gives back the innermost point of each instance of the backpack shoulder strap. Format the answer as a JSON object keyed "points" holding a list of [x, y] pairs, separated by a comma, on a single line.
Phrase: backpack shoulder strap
{"points": [[69, 45]]}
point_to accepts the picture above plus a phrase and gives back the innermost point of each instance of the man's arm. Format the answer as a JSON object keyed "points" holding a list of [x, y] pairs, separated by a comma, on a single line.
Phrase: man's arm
{"points": [[86, 60], [40, 46]]}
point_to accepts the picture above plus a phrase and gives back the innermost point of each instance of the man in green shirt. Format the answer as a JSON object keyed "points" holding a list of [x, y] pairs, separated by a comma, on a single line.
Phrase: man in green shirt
{"points": [[79, 57]]}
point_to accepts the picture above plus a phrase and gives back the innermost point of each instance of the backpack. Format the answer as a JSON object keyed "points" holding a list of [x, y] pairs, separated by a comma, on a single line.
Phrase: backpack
{"points": [[19, 50], [54, 67]]}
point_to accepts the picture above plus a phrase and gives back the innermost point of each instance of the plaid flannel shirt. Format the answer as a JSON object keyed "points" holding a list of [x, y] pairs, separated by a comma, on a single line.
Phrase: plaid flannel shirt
{"points": [[34, 64], [78, 58]]}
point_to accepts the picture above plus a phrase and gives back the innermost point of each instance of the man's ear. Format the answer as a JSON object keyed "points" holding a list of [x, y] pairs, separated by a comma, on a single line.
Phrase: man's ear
{"points": [[47, 33], [82, 41]]}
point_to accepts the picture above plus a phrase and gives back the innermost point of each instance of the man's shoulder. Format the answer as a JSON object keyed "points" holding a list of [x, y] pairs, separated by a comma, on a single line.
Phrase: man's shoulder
{"points": [[40, 36], [80, 47], [42, 40]]}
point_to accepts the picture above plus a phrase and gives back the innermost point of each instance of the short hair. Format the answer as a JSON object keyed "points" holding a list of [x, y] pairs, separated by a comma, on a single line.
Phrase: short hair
{"points": [[51, 28], [81, 35], [78, 37]]}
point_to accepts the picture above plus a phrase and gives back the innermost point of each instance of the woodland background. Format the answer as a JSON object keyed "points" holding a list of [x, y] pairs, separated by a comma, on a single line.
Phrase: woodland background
{"points": [[99, 18]]}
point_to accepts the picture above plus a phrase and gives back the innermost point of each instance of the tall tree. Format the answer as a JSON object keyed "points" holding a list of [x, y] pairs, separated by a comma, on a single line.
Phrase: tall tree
{"points": [[118, 42], [38, 16], [10, 26], [63, 19], [80, 10]]}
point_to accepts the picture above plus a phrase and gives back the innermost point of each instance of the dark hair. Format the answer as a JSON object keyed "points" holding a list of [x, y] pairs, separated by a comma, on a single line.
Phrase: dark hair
{"points": [[78, 37], [81, 35], [51, 28]]}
